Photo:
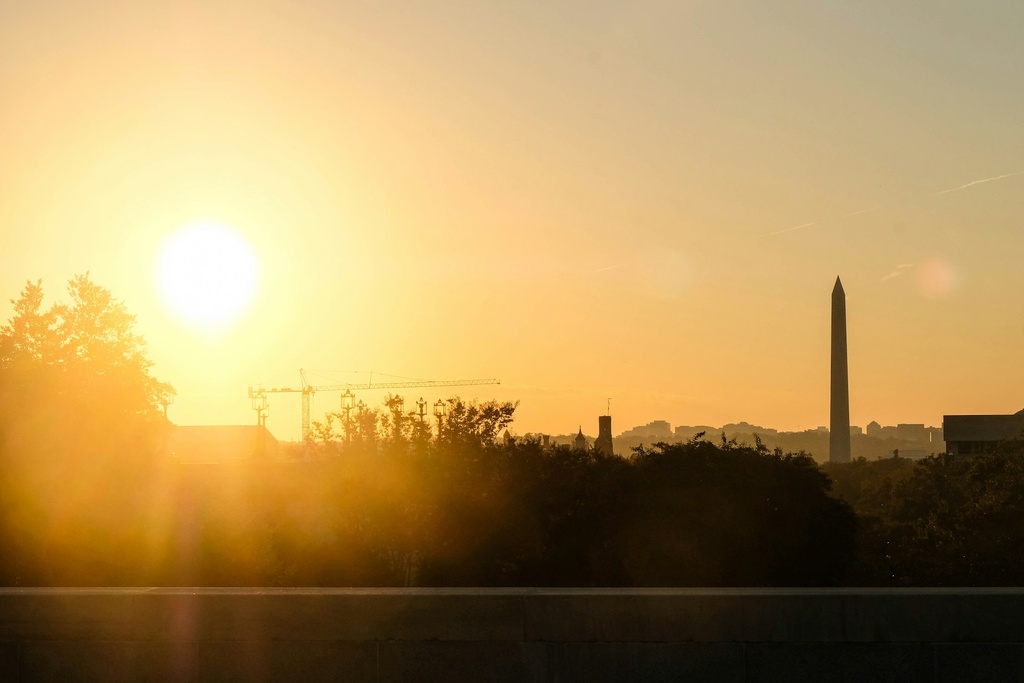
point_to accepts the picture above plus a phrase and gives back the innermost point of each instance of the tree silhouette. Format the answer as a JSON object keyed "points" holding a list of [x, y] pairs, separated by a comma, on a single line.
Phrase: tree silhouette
{"points": [[80, 429], [701, 514], [85, 497]]}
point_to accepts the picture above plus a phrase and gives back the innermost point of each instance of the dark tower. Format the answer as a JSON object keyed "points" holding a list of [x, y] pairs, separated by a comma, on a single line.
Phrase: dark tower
{"points": [[604, 435], [839, 426]]}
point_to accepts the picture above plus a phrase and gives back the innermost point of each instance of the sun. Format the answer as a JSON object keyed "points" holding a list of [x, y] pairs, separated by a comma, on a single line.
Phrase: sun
{"points": [[207, 274]]}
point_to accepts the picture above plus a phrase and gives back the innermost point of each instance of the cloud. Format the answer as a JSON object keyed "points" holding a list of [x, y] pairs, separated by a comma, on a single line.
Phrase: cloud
{"points": [[979, 182], [823, 220], [899, 270], [857, 213]]}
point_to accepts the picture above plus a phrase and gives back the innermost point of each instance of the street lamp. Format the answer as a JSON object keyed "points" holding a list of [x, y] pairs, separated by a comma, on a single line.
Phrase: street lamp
{"points": [[421, 407], [361, 419], [262, 408], [439, 414], [166, 399], [347, 400], [397, 408]]}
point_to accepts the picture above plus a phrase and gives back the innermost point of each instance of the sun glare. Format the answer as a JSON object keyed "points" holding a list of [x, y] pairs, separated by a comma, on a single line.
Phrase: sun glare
{"points": [[207, 274]]}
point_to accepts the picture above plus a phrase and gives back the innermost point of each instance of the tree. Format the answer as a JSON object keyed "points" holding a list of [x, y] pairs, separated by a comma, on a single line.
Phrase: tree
{"points": [[472, 423], [80, 430], [701, 514], [954, 521]]}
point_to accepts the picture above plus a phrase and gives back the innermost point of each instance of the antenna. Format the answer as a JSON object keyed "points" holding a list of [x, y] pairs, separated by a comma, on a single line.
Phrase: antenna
{"points": [[609, 407]]}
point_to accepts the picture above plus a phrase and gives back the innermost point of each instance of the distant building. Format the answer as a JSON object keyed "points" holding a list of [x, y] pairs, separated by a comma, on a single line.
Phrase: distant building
{"points": [[911, 432], [916, 433], [747, 428], [973, 434], [604, 435], [205, 444], [658, 429], [855, 430], [580, 442]]}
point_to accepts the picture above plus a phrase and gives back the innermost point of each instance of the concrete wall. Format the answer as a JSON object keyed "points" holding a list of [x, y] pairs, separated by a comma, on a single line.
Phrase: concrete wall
{"points": [[734, 635]]}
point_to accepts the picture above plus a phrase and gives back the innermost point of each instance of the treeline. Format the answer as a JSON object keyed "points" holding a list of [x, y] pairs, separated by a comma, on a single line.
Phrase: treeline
{"points": [[89, 497], [443, 513], [941, 521]]}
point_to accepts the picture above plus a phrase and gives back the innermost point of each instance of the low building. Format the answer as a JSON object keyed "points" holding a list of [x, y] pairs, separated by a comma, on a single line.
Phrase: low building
{"points": [[911, 432], [206, 444], [972, 434], [658, 429]]}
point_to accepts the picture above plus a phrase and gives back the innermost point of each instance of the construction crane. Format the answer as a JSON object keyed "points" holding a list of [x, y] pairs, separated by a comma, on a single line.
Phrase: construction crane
{"points": [[259, 394]]}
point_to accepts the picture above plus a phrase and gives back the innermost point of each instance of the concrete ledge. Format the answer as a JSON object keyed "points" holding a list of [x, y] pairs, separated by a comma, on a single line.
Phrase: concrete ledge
{"points": [[511, 634], [777, 616]]}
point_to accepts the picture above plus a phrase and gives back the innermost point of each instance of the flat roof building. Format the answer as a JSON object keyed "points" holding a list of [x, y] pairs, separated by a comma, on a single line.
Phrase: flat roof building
{"points": [[972, 434], [205, 444]]}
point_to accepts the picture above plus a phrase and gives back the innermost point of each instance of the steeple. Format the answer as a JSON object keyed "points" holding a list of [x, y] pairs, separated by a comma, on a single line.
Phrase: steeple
{"points": [[580, 440]]}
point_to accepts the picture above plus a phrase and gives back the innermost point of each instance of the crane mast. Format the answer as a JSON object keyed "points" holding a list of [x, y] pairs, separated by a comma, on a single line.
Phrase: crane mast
{"points": [[307, 390]]}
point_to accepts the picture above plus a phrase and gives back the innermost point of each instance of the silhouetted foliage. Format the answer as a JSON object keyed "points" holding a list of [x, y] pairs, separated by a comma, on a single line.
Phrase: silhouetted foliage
{"points": [[700, 514], [89, 497], [941, 521], [468, 511], [80, 430]]}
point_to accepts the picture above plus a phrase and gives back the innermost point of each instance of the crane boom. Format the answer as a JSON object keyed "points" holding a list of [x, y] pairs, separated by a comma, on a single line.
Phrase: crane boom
{"points": [[408, 385], [307, 390]]}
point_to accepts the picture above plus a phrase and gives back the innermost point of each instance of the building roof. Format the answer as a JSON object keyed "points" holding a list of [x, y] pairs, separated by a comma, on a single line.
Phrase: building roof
{"points": [[983, 427], [200, 444]]}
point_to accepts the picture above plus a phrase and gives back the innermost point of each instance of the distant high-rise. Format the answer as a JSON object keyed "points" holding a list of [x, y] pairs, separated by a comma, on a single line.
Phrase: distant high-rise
{"points": [[839, 428]]}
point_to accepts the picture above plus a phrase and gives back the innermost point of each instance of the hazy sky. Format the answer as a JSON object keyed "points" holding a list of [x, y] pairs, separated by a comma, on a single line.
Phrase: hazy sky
{"points": [[583, 199]]}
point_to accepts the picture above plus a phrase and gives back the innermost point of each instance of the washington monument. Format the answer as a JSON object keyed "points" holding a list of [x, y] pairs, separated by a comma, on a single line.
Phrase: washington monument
{"points": [[839, 427]]}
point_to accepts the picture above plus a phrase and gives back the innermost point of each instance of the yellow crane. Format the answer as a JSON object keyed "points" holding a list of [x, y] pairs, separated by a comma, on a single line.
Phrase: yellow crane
{"points": [[259, 394]]}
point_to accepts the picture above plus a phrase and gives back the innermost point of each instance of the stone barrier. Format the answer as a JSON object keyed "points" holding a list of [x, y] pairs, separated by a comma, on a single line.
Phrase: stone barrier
{"points": [[517, 634]]}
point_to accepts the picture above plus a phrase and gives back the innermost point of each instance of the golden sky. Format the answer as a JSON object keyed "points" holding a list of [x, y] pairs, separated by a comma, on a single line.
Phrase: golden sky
{"points": [[647, 201]]}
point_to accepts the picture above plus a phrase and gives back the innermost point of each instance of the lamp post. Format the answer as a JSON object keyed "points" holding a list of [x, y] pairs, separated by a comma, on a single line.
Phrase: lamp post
{"points": [[397, 408], [262, 408], [439, 414], [421, 409], [166, 399], [347, 400]]}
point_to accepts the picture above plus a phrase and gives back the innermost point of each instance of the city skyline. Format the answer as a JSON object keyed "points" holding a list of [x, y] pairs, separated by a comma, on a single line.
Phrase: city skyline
{"points": [[645, 203]]}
